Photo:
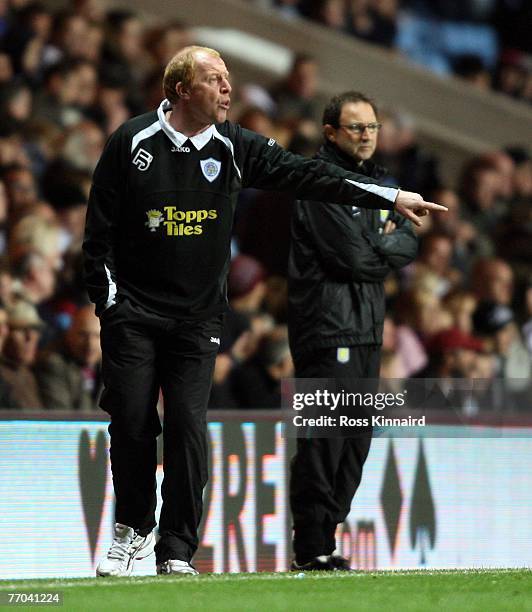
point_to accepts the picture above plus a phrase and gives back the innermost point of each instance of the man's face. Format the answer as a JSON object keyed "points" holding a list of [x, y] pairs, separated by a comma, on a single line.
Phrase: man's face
{"points": [[304, 79], [21, 188], [210, 90], [358, 145], [438, 255], [21, 345], [500, 283], [463, 363], [83, 339]]}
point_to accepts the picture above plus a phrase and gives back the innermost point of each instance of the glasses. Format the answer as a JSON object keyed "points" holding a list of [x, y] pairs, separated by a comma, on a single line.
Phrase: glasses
{"points": [[360, 128]]}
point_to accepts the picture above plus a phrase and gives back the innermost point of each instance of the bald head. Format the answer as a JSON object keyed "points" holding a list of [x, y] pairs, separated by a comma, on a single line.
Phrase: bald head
{"points": [[82, 338]]}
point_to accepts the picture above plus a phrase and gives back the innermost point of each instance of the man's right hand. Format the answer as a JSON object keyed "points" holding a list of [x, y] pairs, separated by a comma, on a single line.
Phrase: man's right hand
{"points": [[412, 206]]}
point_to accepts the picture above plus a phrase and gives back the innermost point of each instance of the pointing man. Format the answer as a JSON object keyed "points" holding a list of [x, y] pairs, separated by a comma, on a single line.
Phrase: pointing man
{"points": [[157, 251]]}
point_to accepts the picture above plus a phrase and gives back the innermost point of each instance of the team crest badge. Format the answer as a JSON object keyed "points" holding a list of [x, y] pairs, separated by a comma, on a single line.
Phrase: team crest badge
{"points": [[155, 218], [210, 168], [342, 354]]}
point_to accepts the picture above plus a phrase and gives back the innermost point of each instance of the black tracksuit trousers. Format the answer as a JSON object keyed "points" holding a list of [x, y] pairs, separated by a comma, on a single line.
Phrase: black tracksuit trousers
{"points": [[143, 353], [326, 472]]}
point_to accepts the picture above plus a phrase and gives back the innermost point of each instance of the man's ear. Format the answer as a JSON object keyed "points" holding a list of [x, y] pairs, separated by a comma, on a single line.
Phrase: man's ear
{"points": [[329, 132], [182, 91]]}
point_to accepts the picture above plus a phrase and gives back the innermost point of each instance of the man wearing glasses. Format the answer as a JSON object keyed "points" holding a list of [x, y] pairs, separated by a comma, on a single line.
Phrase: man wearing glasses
{"points": [[338, 261]]}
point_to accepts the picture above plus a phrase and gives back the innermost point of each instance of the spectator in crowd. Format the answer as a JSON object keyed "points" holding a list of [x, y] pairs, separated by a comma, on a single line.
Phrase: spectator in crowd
{"points": [[12, 152], [421, 311], [527, 327], [34, 278], [19, 354], [471, 68], [504, 165], [492, 280], [67, 39], [468, 243], [93, 42], [480, 188], [21, 190], [37, 233], [6, 394], [496, 324], [296, 95], [124, 53], [3, 218], [403, 353], [92, 10], [392, 365], [246, 286], [452, 354], [165, 41], [512, 74], [374, 21], [69, 377], [16, 103], [88, 85], [331, 13], [461, 305], [435, 258], [522, 176], [398, 150], [258, 382], [457, 360], [243, 327], [57, 102]]}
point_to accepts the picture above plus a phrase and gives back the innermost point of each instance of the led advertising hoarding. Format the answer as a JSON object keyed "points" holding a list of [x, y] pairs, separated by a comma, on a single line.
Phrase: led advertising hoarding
{"points": [[424, 503]]}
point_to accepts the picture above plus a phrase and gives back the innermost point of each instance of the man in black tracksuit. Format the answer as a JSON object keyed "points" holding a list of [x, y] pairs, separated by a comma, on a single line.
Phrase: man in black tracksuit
{"points": [[157, 251], [338, 261]]}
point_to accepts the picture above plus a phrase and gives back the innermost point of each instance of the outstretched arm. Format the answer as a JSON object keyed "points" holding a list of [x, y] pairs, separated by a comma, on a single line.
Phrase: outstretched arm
{"points": [[266, 165]]}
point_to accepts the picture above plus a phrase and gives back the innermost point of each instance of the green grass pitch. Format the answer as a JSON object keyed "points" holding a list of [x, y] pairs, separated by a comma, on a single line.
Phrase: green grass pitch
{"points": [[456, 590]]}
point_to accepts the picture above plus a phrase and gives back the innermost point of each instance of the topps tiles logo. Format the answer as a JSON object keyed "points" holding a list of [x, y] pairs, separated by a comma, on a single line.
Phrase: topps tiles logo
{"points": [[179, 222]]}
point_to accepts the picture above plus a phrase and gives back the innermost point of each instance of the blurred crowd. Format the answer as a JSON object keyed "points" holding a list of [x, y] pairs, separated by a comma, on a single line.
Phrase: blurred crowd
{"points": [[486, 42], [68, 79]]}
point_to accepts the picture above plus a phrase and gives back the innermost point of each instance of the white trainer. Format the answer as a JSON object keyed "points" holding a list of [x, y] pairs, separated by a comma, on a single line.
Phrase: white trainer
{"points": [[176, 566], [127, 546]]}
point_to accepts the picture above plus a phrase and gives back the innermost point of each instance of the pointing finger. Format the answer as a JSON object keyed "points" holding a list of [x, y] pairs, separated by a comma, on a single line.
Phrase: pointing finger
{"points": [[432, 206]]}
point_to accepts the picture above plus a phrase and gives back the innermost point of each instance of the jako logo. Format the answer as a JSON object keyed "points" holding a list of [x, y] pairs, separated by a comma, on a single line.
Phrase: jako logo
{"points": [[180, 150], [215, 340], [142, 160]]}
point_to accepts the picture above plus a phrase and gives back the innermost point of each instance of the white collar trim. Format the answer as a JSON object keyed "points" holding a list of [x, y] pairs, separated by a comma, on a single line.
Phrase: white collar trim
{"points": [[199, 140]]}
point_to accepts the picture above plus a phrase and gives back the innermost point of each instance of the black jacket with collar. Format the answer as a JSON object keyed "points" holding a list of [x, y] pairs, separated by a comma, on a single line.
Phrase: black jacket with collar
{"points": [[338, 262], [161, 210]]}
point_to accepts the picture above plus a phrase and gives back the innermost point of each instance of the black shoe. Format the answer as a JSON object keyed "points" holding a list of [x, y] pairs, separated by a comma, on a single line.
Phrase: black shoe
{"points": [[340, 564], [318, 564]]}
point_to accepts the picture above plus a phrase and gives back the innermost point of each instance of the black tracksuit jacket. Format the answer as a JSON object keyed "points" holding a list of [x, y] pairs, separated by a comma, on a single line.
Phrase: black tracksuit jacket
{"points": [[161, 210], [337, 265]]}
